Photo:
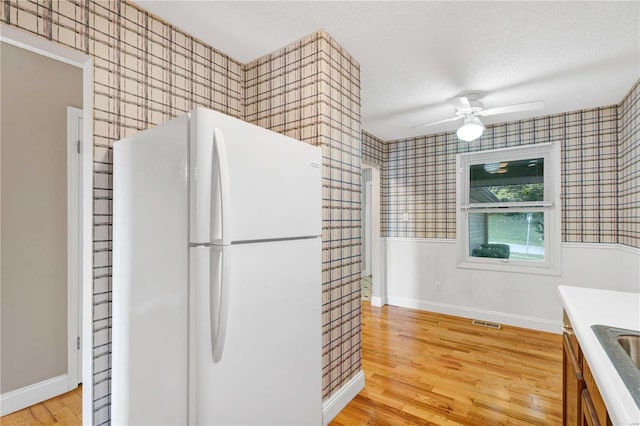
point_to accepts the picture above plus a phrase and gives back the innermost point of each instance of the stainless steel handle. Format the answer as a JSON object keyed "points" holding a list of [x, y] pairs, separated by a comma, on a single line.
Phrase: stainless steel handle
{"points": [[219, 297], [567, 329]]}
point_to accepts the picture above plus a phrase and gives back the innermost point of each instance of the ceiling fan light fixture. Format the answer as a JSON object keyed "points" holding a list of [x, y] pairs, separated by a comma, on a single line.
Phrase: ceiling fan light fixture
{"points": [[491, 167], [471, 129]]}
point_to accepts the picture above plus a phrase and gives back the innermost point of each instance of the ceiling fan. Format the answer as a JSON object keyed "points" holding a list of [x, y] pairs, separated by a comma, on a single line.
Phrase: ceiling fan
{"points": [[469, 109]]}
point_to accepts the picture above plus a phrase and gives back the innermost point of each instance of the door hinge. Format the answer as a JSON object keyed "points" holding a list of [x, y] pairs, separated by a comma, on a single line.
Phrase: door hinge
{"points": [[78, 343], [78, 146]]}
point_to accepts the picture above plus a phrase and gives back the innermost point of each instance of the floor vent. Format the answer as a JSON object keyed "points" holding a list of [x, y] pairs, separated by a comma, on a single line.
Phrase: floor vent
{"points": [[486, 324]]}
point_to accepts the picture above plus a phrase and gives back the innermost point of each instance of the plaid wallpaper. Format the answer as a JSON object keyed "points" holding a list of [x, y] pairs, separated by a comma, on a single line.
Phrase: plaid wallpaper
{"points": [[629, 168], [310, 90], [147, 71], [419, 177], [599, 167], [372, 149]]}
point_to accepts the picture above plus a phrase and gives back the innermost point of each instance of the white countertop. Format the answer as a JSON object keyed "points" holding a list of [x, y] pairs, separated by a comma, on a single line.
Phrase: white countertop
{"points": [[586, 307]]}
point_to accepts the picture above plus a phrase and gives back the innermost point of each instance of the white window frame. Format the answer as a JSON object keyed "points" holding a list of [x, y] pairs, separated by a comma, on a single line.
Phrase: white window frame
{"points": [[551, 208]]}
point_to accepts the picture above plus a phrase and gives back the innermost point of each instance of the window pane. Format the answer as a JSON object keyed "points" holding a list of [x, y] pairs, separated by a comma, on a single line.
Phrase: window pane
{"points": [[516, 236], [507, 181]]}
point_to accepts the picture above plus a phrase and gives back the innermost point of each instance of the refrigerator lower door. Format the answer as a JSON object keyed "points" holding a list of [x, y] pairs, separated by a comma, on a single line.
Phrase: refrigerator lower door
{"points": [[269, 372]]}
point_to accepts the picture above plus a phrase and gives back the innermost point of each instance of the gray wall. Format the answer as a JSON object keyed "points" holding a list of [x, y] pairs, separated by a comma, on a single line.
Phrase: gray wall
{"points": [[33, 215]]}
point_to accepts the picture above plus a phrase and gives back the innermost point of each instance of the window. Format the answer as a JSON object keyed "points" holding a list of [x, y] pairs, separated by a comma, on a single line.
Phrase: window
{"points": [[508, 209]]}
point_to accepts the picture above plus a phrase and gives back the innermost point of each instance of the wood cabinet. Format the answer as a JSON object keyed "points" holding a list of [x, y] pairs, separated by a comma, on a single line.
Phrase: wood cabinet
{"points": [[589, 416], [582, 403], [596, 409], [572, 380]]}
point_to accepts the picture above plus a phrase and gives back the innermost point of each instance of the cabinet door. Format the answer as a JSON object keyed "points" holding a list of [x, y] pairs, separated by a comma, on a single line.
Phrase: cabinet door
{"points": [[589, 416], [594, 400], [572, 385]]}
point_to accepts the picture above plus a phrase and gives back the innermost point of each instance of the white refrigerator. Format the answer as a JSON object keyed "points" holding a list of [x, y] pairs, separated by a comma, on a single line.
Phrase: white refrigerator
{"points": [[216, 276]]}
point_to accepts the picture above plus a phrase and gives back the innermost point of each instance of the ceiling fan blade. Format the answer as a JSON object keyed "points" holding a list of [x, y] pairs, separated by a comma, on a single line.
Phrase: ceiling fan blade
{"points": [[527, 106], [446, 120], [460, 103]]}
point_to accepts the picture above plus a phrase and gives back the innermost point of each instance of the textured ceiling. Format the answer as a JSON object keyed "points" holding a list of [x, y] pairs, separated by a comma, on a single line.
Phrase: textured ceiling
{"points": [[414, 55]]}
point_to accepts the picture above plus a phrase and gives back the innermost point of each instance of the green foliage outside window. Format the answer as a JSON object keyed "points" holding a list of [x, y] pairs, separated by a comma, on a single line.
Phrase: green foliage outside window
{"points": [[524, 192]]}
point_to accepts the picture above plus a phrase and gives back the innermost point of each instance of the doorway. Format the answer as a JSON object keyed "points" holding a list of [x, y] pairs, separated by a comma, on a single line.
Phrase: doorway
{"points": [[366, 283], [371, 280], [45, 200]]}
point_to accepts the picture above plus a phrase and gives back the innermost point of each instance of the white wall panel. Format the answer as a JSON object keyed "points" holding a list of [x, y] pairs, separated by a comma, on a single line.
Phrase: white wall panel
{"points": [[414, 265]]}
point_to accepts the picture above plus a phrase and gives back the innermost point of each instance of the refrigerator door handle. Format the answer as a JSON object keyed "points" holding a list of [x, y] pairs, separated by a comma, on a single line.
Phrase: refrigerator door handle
{"points": [[219, 299], [203, 231], [221, 220]]}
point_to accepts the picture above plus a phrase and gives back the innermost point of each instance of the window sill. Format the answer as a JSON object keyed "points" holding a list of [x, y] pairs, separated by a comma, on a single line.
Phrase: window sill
{"points": [[518, 268]]}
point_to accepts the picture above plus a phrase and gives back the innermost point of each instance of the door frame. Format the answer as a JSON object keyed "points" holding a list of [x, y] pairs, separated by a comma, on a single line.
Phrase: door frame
{"points": [[41, 46], [367, 231], [378, 281], [74, 243]]}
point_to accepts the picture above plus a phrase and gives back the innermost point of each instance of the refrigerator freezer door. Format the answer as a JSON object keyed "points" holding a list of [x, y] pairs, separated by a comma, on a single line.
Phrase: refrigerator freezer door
{"points": [[270, 371], [274, 182], [150, 276]]}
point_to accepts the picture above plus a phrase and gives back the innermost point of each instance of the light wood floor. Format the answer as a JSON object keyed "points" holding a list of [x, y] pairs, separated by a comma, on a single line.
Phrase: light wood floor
{"points": [[423, 368], [65, 409]]}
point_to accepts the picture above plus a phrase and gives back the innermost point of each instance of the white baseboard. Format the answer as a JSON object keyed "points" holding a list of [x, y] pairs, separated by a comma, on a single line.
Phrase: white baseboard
{"points": [[336, 403], [540, 324], [29, 395], [378, 301]]}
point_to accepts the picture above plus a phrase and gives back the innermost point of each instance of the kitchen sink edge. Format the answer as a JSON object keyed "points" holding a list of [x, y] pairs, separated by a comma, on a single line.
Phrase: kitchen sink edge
{"points": [[616, 342]]}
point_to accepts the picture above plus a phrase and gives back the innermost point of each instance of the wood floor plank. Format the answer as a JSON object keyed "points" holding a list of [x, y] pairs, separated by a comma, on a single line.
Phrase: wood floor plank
{"points": [[42, 415], [73, 401], [432, 369], [67, 417], [19, 418]]}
